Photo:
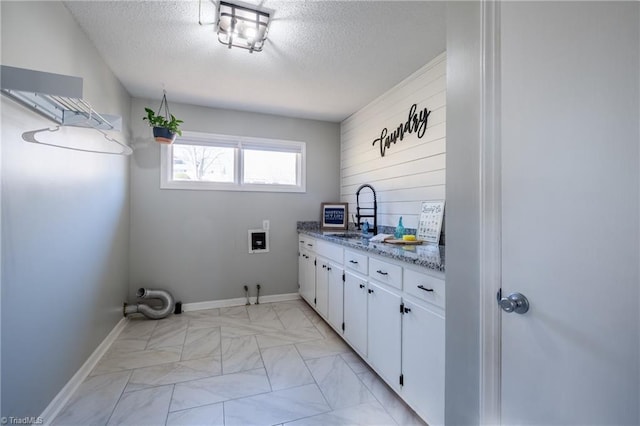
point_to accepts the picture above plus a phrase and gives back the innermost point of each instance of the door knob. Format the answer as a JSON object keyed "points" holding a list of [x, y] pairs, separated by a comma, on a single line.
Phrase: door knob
{"points": [[515, 302]]}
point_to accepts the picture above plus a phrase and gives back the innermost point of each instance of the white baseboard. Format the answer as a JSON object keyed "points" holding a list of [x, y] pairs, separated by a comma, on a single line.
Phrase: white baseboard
{"points": [[54, 407], [197, 306]]}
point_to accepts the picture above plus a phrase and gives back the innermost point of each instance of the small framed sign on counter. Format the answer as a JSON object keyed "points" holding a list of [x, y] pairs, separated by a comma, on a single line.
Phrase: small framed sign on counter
{"points": [[334, 216], [430, 224]]}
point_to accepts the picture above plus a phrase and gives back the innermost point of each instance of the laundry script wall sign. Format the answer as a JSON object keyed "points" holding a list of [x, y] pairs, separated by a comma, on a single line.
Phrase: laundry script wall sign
{"points": [[416, 123]]}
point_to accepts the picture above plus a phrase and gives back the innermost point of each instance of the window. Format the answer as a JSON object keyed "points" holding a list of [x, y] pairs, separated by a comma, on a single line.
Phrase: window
{"points": [[215, 162]]}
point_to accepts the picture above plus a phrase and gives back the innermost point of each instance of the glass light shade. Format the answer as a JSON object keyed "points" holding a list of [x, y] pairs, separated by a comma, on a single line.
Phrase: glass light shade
{"points": [[242, 26]]}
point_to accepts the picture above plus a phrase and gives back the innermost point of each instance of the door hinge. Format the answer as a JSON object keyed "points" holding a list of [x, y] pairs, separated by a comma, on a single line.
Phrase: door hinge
{"points": [[342, 326], [499, 295], [314, 301], [315, 263], [402, 308], [402, 380], [343, 277]]}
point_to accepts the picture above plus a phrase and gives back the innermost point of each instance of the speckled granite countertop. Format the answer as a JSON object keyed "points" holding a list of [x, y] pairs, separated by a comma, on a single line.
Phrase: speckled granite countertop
{"points": [[424, 255]]}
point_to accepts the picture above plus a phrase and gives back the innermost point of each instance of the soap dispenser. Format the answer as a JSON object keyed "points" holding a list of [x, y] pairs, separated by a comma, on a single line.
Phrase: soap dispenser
{"points": [[399, 230], [365, 228]]}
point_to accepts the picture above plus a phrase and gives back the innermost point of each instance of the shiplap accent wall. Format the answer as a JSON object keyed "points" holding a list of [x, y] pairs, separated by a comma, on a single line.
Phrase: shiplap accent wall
{"points": [[412, 170]]}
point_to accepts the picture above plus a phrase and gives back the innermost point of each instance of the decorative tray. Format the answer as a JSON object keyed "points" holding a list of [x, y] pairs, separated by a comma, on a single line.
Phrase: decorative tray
{"points": [[403, 242]]}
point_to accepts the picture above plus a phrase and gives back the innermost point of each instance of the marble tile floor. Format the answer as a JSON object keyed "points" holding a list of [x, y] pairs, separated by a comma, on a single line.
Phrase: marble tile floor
{"points": [[267, 364]]}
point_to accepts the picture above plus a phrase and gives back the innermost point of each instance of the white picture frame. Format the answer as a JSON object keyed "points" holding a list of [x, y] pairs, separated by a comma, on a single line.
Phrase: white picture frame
{"points": [[430, 224], [334, 216]]}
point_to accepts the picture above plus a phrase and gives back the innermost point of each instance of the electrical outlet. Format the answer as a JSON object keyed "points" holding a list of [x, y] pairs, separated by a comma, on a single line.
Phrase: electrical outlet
{"points": [[265, 224]]}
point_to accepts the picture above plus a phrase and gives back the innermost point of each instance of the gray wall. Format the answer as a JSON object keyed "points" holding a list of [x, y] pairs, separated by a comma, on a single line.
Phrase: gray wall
{"points": [[462, 375], [64, 218], [194, 243]]}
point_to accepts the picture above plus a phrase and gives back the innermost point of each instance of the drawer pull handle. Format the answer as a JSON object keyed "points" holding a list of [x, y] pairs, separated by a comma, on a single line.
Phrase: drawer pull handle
{"points": [[370, 291], [328, 268], [382, 272], [421, 287], [324, 266], [310, 245], [361, 285], [355, 262]]}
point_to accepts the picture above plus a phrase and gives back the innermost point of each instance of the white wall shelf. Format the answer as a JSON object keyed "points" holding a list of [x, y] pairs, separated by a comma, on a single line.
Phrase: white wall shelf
{"points": [[58, 98]]}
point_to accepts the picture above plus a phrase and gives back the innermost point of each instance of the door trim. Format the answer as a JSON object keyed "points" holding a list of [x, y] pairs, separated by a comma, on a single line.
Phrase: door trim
{"points": [[490, 217]]}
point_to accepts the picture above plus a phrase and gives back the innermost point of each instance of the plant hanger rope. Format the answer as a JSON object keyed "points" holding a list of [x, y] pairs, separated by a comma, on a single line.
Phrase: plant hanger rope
{"points": [[167, 114], [165, 128]]}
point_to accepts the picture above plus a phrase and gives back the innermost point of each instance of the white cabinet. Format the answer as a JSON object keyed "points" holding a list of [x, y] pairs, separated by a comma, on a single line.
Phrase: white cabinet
{"points": [[322, 286], [307, 243], [390, 312], [307, 275], [384, 332], [423, 339], [356, 261], [320, 278], [330, 251], [385, 272], [300, 270], [424, 287], [355, 312], [335, 314]]}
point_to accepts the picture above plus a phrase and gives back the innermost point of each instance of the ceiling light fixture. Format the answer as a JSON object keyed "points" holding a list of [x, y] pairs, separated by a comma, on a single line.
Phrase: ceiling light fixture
{"points": [[242, 26]]}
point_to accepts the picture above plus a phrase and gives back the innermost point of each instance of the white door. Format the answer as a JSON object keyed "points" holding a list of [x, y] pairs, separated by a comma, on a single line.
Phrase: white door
{"points": [[569, 84], [355, 312], [307, 278], [336, 296], [322, 286], [423, 359], [384, 331]]}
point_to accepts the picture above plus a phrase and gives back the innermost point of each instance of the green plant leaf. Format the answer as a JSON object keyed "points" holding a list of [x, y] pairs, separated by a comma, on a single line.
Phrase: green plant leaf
{"points": [[160, 121]]}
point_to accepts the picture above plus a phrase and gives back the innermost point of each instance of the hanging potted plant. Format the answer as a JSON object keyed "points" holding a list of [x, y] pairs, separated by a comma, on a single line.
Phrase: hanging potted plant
{"points": [[165, 127]]}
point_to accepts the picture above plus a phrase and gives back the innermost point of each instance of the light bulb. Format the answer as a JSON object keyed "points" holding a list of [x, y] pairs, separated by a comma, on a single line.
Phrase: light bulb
{"points": [[250, 33]]}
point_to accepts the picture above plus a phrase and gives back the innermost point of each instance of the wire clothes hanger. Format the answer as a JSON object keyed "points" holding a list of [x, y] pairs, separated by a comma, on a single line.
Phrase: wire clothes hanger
{"points": [[30, 136]]}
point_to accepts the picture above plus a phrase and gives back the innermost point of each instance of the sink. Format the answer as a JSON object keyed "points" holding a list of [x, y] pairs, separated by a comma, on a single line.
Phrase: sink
{"points": [[356, 235], [352, 237]]}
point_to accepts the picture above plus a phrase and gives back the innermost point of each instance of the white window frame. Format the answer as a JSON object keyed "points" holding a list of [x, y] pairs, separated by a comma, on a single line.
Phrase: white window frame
{"points": [[238, 143]]}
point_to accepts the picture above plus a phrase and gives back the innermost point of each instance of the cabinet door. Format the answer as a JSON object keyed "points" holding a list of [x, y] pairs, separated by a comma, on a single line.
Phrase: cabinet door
{"points": [[322, 286], [384, 332], [423, 362], [336, 296], [301, 265], [307, 276], [355, 312]]}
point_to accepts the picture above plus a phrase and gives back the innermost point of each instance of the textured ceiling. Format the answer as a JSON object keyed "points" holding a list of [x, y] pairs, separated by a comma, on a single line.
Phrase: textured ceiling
{"points": [[323, 59]]}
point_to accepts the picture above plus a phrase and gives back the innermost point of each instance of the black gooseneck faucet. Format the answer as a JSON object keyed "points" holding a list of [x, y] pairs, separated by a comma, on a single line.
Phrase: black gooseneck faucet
{"points": [[359, 216]]}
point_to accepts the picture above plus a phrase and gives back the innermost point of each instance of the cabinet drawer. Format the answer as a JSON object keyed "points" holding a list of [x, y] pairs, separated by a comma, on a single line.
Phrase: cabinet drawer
{"points": [[424, 287], [385, 272], [355, 261], [330, 251], [306, 242]]}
